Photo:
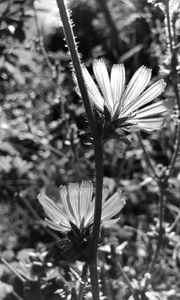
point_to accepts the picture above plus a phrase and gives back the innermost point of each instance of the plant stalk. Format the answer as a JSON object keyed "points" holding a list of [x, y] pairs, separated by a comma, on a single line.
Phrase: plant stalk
{"points": [[148, 161], [83, 281], [67, 25], [160, 234], [175, 80]]}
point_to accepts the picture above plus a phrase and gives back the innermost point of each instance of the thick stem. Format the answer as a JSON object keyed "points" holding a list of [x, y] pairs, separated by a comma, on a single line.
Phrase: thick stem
{"points": [[97, 220], [94, 280], [77, 64], [96, 139], [98, 202]]}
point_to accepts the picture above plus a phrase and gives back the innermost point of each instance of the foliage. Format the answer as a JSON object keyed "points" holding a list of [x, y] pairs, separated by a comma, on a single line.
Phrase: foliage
{"points": [[46, 142]]}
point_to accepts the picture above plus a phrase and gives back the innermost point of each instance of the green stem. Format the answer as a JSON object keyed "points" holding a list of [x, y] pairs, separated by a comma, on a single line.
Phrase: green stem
{"points": [[96, 139]]}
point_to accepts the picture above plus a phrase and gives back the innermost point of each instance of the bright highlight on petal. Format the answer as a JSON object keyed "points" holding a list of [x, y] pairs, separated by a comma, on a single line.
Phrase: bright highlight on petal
{"points": [[117, 83], [131, 106], [78, 207], [93, 91], [137, 84], [102, 77]]}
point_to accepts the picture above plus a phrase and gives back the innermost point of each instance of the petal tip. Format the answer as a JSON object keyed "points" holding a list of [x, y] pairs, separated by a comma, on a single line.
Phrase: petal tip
{"points": [[163, 83], [40, 197]]}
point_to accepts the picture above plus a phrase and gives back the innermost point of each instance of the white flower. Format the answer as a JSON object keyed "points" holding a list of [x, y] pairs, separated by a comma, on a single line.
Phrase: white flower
{"points": [[78, 207], [131, 104]]}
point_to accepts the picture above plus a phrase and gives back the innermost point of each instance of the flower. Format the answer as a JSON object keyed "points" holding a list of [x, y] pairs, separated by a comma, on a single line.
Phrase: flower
{"points": [[127, 107], [78, 207]]}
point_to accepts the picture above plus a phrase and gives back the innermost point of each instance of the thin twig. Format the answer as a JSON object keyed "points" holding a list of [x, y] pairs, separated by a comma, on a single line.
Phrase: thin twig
{"points": [[160, 234], [175, 80], [177, 149], [83, 281], [36, 217], [126, 279], [13, 270], [163, 182], [118, 264], [170, 228], [41, 44], [148, 161], [169, 26], [16, 296], [114, 34]]}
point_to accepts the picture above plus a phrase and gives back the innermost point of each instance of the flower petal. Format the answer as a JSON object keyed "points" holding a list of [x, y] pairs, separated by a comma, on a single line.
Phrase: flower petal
{"points": [[67, 203], [153, 109], [148, 124], [86, 194], [105, 193], [102, 77], [136, 85], [112, 206], [51, 209], [110, 222], [90, 215], [117, 83], [58, 227], [73, 193], [150, 94], [93, 91]]}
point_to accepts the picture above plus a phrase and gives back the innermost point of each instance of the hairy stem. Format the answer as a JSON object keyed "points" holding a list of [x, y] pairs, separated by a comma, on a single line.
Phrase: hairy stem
{"points": [[96, 139], [77, 64]]}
